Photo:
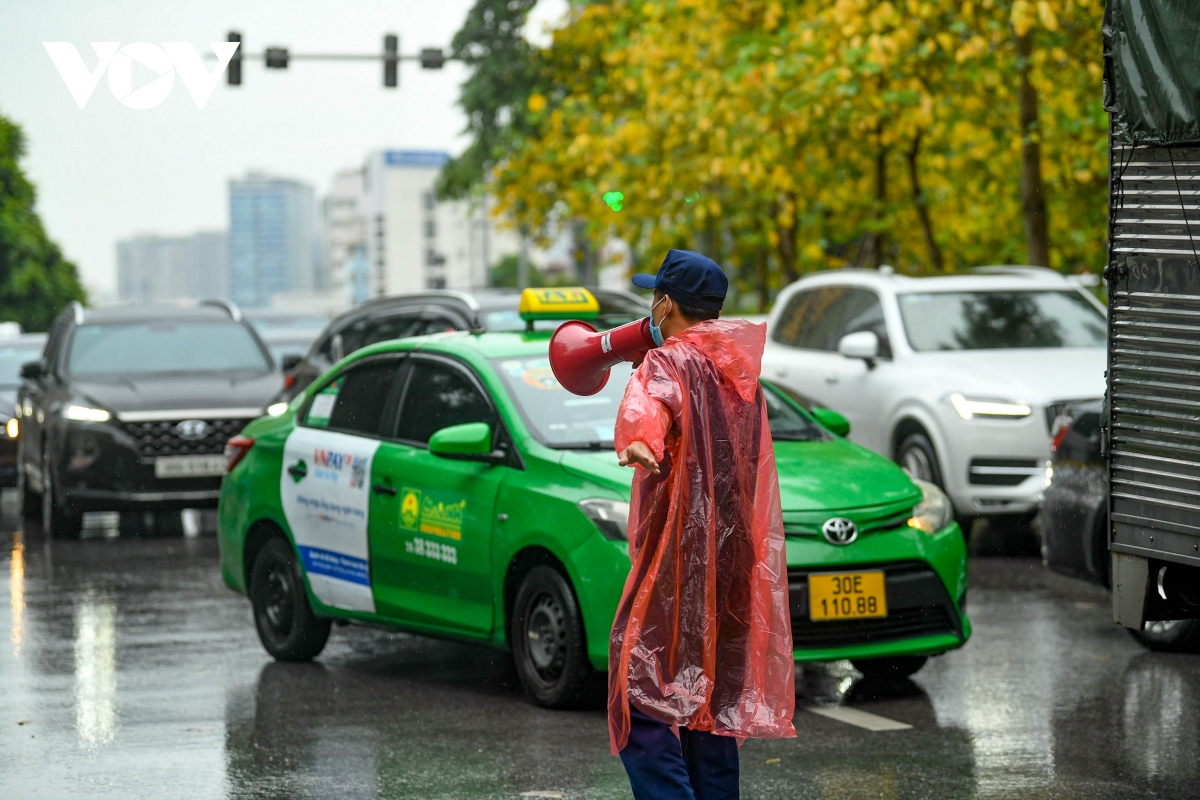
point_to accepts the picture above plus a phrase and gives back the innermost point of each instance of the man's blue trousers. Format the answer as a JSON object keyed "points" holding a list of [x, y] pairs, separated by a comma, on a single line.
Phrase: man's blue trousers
{"points": [[695, 766]]}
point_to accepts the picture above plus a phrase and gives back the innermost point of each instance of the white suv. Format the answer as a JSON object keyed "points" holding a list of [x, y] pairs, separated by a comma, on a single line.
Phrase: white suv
{"points": [[958, 378]]}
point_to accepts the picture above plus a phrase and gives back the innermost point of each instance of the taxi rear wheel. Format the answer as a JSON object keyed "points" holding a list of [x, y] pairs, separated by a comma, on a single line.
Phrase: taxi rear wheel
{"points": [[548, 643], [286, 624], [883, 669]]}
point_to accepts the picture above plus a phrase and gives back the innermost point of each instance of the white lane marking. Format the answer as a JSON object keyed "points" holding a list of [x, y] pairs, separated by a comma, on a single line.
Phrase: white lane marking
{"points": [[861, 719], [542, 793]]}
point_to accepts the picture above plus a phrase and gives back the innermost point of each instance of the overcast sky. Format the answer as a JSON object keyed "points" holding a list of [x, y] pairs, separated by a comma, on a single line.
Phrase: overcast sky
{"points": [[107, 172]]}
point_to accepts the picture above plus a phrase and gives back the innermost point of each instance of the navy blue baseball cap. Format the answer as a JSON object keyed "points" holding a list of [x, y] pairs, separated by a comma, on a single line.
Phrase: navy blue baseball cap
{"points": [[690, 278]]}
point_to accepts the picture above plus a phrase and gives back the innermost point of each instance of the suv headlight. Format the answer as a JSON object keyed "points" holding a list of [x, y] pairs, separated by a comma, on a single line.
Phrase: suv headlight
{"points": [[611, 517], [969, 408], [86, 414], [934, 512]]}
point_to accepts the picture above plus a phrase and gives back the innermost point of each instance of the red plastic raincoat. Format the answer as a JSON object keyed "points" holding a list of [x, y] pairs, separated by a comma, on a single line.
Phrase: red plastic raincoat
{"points": [[703, 634]]}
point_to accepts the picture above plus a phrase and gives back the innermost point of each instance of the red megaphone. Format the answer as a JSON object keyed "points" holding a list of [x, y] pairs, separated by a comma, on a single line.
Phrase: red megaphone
{"points": [[581, 357]]}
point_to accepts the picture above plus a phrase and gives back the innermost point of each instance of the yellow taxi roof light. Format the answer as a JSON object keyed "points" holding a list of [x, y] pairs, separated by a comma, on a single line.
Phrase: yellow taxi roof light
{"points": [[562, 303]]}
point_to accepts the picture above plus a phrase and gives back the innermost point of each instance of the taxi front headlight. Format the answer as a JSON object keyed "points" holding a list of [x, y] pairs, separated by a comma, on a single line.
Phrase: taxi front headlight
{"points": [[12, 428], [611, 517], [934, 512]]}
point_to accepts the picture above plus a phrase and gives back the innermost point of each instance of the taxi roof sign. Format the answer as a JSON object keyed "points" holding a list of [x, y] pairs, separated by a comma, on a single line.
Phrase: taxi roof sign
{"points": [[562, 303]]}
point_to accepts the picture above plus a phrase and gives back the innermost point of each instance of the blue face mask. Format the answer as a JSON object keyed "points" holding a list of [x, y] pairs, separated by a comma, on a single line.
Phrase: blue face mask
{"points": [[655, 330]]}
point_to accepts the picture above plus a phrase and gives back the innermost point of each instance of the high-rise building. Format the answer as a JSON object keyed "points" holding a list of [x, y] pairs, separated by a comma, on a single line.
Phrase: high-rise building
{"points": [[153, 269], [346, 237], [271, 239], [413, 241]]}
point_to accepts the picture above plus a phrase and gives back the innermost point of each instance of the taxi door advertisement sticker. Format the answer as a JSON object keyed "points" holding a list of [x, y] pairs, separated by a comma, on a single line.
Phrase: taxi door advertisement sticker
{"points": [[325, 499], [435, 514], [432, 512]]}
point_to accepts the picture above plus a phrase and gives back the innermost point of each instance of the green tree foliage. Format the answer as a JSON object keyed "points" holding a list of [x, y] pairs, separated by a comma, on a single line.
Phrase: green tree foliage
{"points": [[504, 71], [35, 280]]}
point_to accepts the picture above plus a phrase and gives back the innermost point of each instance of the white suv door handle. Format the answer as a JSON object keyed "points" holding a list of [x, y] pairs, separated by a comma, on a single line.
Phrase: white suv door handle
{"points": [[832, 377]]}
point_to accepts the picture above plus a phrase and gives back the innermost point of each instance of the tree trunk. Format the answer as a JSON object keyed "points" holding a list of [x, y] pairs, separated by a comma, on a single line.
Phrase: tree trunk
{"points": [[1033, 200], [935, 252], [788, 257], [870, 250]]}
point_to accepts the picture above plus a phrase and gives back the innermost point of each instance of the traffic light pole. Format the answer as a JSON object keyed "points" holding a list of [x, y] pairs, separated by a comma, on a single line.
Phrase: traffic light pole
{"points": [[280, 57]]}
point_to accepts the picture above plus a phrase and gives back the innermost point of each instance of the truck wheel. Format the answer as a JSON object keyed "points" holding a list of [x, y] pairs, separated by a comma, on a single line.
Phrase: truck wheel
{"points": [[548, 644], [58, 520], [1169, 636], [286, 625], [889, 669], [918, 458]]}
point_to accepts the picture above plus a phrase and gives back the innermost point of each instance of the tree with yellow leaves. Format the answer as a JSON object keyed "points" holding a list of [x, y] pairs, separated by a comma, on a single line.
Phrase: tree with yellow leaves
{"points": [[785, 137]]}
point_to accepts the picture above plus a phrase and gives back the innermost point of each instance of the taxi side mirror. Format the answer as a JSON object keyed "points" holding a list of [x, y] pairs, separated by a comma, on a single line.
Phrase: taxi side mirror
{"points": [[832, 421], [471, 441]]}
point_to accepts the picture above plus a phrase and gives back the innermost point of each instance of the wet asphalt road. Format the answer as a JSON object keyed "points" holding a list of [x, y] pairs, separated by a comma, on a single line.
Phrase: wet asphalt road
{"points": [[130, 671]]}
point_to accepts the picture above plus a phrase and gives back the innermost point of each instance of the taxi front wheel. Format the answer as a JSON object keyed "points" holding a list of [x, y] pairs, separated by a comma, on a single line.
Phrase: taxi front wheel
{"points": [[549, 647], [286, 624]]}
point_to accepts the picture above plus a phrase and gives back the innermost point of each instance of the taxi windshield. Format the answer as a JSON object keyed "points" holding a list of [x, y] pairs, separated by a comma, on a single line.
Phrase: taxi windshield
{"points": [[565, 421], [556, 417]]}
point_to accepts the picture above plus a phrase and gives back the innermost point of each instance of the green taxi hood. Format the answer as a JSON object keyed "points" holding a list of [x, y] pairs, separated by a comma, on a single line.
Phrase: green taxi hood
{"points": [[836, 474], [813, 476], [600, 466]]}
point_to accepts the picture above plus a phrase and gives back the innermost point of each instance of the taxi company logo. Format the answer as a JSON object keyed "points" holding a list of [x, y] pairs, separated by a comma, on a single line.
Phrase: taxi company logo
{"points": [[410, 508], [165, 62], [192, 429], [839, 530]]}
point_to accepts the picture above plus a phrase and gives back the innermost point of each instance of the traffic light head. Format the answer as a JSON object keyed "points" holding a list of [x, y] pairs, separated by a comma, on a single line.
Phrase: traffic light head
{"points": [[233, 73], [391, 60]]}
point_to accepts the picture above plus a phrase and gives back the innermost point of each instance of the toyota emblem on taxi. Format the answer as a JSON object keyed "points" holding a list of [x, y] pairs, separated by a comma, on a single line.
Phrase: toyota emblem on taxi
{"points": [[839, 530], [192, 429]]}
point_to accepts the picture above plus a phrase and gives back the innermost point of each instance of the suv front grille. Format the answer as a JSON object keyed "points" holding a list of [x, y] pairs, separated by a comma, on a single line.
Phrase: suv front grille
{"points": [[918, 605], [160, 437]]}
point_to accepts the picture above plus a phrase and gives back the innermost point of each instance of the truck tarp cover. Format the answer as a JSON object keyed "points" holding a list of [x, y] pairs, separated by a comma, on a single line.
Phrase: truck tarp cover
{"points": [[1153, 54]]}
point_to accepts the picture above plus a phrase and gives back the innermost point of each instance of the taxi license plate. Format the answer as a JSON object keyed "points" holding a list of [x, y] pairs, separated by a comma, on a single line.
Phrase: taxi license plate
{"points": [[189, 466], [846, 595]]}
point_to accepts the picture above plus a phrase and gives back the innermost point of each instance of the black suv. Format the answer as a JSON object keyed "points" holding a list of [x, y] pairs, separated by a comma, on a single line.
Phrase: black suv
{"points": [[402, 316], [130, 408]]}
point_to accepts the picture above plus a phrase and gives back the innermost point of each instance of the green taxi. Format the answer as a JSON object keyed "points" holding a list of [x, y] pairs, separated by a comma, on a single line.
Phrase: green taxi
{"points": [[447, 485]]}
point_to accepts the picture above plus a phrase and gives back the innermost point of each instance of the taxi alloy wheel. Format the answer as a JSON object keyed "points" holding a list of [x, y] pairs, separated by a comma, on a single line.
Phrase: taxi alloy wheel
{"points": [[286, 625], [546, 635], [549, 648]]}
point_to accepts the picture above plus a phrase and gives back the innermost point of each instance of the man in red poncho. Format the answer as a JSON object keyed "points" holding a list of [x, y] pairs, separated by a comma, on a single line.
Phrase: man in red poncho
{"points": [[701, 650]]}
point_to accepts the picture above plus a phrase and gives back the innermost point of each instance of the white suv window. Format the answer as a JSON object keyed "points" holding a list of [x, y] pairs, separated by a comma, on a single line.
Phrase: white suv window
{"points": [[1001, 319], [817, 319]]}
